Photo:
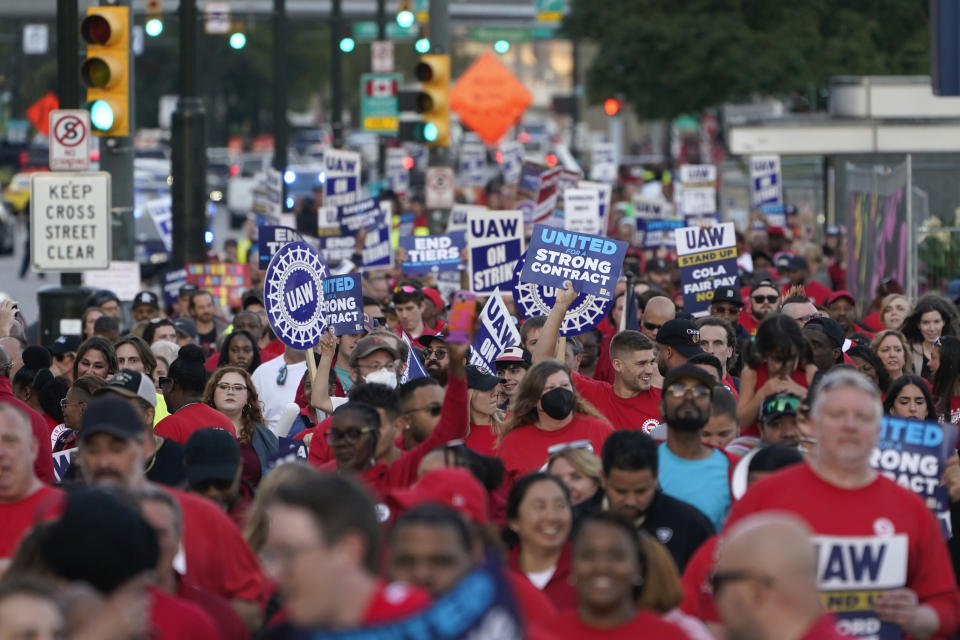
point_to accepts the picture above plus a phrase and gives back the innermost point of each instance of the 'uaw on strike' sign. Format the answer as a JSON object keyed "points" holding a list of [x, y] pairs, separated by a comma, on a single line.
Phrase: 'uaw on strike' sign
{"points": [[495, 239], [592, 263], [707, 257], [293, 295]]}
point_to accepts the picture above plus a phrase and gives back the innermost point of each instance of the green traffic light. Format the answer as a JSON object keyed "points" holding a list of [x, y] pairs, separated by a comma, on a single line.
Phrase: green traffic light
{"points": [[101, 115], [430, 132], [405, 19], [501, 46], [347, 44], [422, 45], [154, 27], [238, 40]]}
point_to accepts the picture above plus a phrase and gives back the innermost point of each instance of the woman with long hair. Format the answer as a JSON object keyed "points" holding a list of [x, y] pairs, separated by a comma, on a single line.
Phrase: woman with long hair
{"points": [[933, 316], [945, 366], [539, 519], [777, 360], [894, 310], [95, 357], [486, 418], [239, 349], [134, 354], [662, 590], [231, 392], [909, 397], [892, 349], [579, 469], [869, 364], [89, 317], [546, 411]]}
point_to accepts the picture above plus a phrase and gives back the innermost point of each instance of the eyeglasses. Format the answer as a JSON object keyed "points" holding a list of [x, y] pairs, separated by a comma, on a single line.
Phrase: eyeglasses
{"points": [[434, 409], [282, 375], [762, 299], [719, 579], [213, 483], [576, 444], [650, 326], [725, 309], [437, 354], [350, 436], [678, 390], [389, 366], [236, 388], [64, 404], [163, 381]]}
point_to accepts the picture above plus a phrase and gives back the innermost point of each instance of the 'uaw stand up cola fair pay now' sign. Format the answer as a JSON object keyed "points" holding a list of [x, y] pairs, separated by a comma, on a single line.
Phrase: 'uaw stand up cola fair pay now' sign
{"points": [[707, 257]]}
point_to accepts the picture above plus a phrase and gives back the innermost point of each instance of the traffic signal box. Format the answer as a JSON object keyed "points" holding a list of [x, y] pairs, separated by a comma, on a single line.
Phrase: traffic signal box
{"points": [[431, 101], [106, 69]]}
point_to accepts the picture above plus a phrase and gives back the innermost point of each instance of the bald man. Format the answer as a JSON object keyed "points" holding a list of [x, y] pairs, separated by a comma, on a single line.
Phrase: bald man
{"points": [[659, 311], [765, 581]]}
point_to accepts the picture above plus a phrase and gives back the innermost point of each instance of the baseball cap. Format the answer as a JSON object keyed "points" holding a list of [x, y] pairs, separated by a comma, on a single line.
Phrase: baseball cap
{"points": [[776, 231], [832, 231], [782, 261], [64, 344], [131, 384], [480, 380], [656, 265], [185, 327], [828, 326], [686, 371], [426, 340], [765, 282], [111, 415], [100, 296], [779, 404], [837, 295], [369, 344], [211, 454], [148, 298], [683, 335], [251, 297], [454, 487], [727, 294], [435, 297], [187, 288], [515, 354]]}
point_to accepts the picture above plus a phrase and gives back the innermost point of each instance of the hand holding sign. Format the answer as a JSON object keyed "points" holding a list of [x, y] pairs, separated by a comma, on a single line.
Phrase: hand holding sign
{"points": [[567, 295], [900, 607]]}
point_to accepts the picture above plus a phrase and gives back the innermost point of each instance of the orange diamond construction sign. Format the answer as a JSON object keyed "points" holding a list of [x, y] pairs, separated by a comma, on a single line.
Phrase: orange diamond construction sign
{"points": [[489, 99]]}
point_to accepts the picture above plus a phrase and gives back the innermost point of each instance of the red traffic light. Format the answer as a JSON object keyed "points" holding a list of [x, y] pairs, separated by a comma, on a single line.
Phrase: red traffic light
{"points": [[551, 160], [611, 106], [408, 162]]}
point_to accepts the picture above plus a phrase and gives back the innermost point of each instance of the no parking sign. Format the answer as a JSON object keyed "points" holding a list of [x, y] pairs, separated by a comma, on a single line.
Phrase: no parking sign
{"points": [[293, 295]]}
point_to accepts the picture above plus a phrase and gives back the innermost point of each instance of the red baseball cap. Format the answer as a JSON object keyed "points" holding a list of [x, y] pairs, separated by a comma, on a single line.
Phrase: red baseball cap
{"points": [[453, 487], [843, 293], [435, 297]]}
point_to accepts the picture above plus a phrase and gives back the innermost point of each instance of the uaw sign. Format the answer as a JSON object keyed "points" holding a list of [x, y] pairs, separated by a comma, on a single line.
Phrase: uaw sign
{"points": [[293, 295], [707, 257]]}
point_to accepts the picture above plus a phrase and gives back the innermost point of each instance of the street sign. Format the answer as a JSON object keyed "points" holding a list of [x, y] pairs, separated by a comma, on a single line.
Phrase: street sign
{"points": [[550, 10], [216, 18], [381, 56], [492, 34], [36, 39], [487, 112], [439, 187], [367, 30], [378, 102], [70, 140], [70, 221]]}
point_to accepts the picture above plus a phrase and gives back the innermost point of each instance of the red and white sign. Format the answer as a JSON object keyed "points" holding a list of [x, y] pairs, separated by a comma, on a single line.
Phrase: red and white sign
{"points": [[381, 56], [70, 140], [439, 187], [381, 87]]}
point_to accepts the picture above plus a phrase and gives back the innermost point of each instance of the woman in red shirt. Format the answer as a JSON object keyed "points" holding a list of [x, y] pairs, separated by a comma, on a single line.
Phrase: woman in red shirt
{"points": [[945, 369], [539, 518], [486, 419], [547, 411]]}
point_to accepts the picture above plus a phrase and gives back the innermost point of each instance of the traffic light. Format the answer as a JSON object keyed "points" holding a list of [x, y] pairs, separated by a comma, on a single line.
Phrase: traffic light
{"points": [[611, 106], [431, 101], [106, 69], [405, 16]]}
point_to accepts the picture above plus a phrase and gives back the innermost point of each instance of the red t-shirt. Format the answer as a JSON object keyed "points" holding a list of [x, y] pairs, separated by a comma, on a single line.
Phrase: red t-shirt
{"points": [[644, 625], [19, 517], [524, 449], [482, 439], [394, 600], [874, 538], [558, 589], [43, 464], [224, 616], [799, 376], [534, 605], [271, 351], [187, 420], [218, 558], [642, 411], [748, 321], [173, 618], [825, 628], [697, 594]]}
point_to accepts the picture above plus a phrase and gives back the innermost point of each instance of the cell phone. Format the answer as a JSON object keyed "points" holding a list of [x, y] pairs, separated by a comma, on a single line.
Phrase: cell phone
{"points": [[462, 318]]}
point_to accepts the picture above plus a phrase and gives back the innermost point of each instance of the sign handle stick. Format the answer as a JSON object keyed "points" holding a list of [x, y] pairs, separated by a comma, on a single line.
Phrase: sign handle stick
{"points": [[311, 365], [561, 348]]}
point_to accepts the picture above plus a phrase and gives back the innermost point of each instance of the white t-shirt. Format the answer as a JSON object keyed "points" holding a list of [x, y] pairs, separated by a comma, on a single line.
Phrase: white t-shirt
{"points": [[540, 578], [273, 396]]}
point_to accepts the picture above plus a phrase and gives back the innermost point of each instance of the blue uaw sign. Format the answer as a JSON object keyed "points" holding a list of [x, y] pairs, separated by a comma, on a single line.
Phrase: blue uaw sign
{"points": [[591, 262], [293, 295], [534, 299]]}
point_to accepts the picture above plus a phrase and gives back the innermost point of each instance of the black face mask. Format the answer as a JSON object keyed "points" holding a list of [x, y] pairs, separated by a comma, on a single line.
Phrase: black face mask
{"points": [[557, 403]]}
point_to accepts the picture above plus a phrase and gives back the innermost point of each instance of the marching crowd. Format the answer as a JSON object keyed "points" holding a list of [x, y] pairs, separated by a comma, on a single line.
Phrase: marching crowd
{"points": [[178, 472]]}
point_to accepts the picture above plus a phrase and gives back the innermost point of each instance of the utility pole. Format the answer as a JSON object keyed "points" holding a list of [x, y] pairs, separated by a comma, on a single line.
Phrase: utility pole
{"points": [[381, 140], [336, 74], [68, 79], [280, 93], [577, 93], [189, 153]]}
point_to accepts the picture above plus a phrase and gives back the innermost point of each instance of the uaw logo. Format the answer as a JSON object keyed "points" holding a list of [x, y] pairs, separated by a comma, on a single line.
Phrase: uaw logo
{"points": [[293, 295], [532, 299]]}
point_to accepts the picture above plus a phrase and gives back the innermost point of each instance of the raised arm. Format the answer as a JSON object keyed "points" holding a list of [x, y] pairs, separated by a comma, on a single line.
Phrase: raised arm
{"points": [[546, 347], [320, 391]]}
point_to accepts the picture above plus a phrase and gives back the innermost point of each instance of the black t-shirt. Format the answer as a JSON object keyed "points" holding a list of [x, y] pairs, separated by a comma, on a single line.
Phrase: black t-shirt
{"points": [[166, 467], [208, 339]]}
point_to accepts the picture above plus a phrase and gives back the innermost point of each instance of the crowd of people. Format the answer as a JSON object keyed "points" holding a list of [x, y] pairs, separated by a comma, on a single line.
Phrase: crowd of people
{"points": [[178, 473]]}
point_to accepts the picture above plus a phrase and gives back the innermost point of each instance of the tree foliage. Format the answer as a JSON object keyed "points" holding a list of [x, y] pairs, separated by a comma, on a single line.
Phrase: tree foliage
{"points": [[667, 57]]}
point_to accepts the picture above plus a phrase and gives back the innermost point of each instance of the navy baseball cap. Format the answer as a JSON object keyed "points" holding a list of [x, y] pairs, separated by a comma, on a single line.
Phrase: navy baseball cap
{"points": [[681, 334], [727, 294]]}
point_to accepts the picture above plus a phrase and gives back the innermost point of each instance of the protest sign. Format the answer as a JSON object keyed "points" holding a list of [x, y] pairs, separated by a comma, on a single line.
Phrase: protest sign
{"points": [[270, 238], [293, 295], [357, 215], [343, 304], [460, 213], [336, 249], [161, 212], [288, 450], [591, 262], [495, 332], [707, 257], [604, 192], [342, 172], [172, 281], [495, 242], [534, 299], [776, 215], [398, 175], [537, 192], [511, 161], [659, 234], [765, 180], [473, 164], [225, 281], [377, 252], [480, 607], [581, 210], [696, 192], [430, 254], [914, 455], [603, 162], [414, 368]]}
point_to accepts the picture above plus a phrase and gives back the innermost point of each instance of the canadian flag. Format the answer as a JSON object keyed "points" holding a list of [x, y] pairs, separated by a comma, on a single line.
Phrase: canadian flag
{"points": [[381, 87]]}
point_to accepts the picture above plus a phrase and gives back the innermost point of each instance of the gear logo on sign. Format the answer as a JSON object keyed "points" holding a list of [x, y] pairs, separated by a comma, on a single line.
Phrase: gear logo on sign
{"points": [[293, 295], [532, 299]]}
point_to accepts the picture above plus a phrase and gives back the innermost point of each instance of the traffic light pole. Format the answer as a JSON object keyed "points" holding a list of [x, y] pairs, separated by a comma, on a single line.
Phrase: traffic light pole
{"points": [[336, 73], [381, 140], [280, 92], [189, 153], [68, 85], [439, 43]]}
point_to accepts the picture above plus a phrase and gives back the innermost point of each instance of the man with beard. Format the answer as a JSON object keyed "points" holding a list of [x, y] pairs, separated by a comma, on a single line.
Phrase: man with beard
{"points": [[420, 401], [436, 357], [690, 470], [679, 340], [203, 312], [630, 489], [764, 299], [511, 366]]}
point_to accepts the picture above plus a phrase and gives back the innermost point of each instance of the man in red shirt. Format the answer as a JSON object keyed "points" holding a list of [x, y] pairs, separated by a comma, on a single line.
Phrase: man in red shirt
{"points": [[843, 310], [43, 462], [24, 500], [765, 582], [408, 300], [183, 392], [631, 402], [323, 550], [111, 452], [764, 300], [883, 566], [796, 270]]}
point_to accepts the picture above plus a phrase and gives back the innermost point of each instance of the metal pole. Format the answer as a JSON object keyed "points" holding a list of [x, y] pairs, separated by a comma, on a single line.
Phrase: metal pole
{"points": [[189, 155], [439, 43], [577, 90], [68, 82], [381, 140], [280, 126], [336, 75], [912, 270]]}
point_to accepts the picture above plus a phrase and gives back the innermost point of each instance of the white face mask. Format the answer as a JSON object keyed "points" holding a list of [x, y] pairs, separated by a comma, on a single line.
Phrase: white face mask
{"points": [[382, 376]]}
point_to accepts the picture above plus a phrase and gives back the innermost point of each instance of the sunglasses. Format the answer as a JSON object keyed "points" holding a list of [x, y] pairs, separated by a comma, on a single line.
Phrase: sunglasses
{"points": [[651, 326], [434, 409], [405, 289], [163, 381], [779, 405], [762, 299], [438, 354], [281, 375], [218, 484], [350, 436], [719, 579], [678, 390], [576, 444]]}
